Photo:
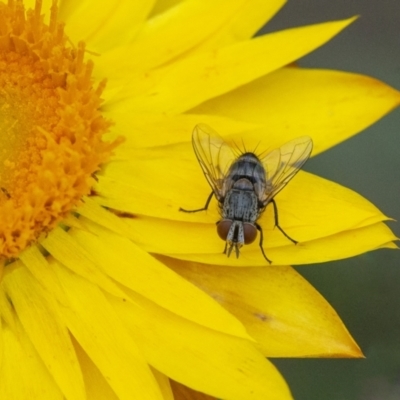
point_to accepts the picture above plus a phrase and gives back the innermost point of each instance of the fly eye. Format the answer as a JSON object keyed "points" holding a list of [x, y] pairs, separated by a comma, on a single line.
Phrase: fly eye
{"points": [[249, 232], [223, 228]]}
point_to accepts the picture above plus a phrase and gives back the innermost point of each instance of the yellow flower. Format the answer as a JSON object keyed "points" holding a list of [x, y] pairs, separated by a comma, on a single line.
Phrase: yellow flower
{"points": [[107, 291]]}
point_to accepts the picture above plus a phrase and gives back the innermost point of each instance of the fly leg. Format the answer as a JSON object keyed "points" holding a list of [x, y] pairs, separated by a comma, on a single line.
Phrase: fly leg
{"points": [[261, 241], [277, 222], [199, 209]]}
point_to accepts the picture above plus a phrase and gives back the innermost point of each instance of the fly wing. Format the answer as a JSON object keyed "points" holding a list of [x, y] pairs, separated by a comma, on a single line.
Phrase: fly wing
{"points": [[282, 164], [214, 156]]}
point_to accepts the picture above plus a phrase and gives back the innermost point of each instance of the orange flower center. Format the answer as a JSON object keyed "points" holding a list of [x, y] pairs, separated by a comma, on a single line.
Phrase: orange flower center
{"points": [[50, 123]]}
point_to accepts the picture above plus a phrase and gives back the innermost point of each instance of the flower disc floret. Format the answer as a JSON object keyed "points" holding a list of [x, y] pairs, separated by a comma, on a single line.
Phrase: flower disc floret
{"points": [[50, 123]]}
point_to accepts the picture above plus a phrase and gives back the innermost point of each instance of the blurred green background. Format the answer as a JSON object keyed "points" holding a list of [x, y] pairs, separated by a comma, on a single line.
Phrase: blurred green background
{"points": [[365, 291]]}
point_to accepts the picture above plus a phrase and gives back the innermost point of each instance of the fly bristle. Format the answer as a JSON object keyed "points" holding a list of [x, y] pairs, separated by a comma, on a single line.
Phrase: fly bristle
{"points": [[237, 151], [255, 150]]}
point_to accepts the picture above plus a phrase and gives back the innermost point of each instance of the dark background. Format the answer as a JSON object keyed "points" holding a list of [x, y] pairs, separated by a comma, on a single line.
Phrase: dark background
{"points": [[365, 290]]}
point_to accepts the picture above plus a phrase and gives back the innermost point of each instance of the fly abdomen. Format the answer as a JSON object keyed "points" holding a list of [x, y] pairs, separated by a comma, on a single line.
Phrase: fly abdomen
{"points": [[241, 202]]}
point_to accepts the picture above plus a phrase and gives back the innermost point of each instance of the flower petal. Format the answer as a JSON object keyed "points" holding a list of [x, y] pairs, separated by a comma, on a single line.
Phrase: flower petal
{"points": [[129, 265], [38, 315], [19, 356], [244, 24], [65, 249], [39, 267], [182, 392], [180, 29], [104, 338], [113, 24], [342, 245], [181, 86], [162, 6], [95, 383], [329, 106], [201, 243], [281, 310], [239, 371], [164, 384], [249, 18], [158, 130]]}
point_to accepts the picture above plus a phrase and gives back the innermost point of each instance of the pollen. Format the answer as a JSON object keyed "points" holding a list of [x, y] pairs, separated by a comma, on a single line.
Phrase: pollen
{"points": [[51, 126]]}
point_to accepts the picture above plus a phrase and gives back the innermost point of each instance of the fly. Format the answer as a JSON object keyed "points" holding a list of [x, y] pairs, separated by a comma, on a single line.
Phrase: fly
{"points": [[244, 185]]}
